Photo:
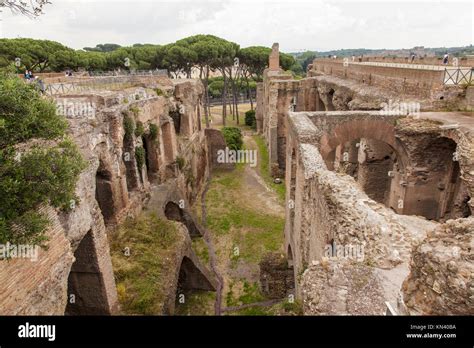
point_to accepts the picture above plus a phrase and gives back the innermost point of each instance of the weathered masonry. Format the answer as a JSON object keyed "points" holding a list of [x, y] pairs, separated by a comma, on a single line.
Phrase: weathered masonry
{"points": [[331, 208], [379, 186], [164, 152], [336, 85]]}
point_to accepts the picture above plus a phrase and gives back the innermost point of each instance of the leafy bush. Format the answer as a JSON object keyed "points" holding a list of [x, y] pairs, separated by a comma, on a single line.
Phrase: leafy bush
{"points": [[233, 137], [128, 125], [250, 119], [25, 115], [135, 110], [140, 157], [42, 172], [153, 131], [139, 130]]}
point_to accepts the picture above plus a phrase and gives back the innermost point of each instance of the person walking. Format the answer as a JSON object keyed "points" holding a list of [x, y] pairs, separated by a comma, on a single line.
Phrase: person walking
{"points": [[446, 59]]}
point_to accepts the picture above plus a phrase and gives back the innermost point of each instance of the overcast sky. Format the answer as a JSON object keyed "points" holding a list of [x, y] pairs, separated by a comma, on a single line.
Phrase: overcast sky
{"points": [[296, 25]]}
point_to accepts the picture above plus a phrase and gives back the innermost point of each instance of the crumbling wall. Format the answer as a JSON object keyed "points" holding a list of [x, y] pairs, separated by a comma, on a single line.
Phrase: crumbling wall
{"points": [[441, 272], [329, 210], [112, 187], [276, 276], [424, 85]]}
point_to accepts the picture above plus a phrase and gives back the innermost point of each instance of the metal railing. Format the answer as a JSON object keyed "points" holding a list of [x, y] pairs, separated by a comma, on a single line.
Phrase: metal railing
{"points": [[64, 88], [155, 72], [458, 76], [408, 65], [100, 81]]}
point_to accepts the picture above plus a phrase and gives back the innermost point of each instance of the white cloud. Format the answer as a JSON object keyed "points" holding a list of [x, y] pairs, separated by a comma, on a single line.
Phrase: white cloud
{"points": [[295, 25]]}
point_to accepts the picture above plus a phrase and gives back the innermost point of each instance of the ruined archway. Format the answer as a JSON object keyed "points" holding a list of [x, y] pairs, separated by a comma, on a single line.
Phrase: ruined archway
{"points": [[104, 192], [176, 116], [151, 156], [435, 189], [369, 151], [130, 164], [329, 100], [87, 292], [174, 212], [190, 280]]}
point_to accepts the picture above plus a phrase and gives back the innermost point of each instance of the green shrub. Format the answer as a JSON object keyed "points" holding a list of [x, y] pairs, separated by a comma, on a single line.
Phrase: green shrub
{"points": [[140, 157], [128, 125], [41, 174], [233, 137], [24, 114], [139, 130], [134, 110], [153, 131], [250, 119], [159, 92]]}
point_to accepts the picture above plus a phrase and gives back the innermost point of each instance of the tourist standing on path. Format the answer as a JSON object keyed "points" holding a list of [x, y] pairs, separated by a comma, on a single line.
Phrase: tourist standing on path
{"points": [[446, 59]]}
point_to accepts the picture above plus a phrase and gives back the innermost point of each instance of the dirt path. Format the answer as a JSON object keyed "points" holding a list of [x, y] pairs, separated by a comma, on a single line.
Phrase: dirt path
{"points": [[259, 195], [212, 251], [253, 194]]}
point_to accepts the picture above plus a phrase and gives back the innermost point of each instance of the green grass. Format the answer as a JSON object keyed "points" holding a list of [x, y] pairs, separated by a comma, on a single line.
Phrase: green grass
{"points": [[201, 250], [198, 302], [251, 294], [264, 169], [281, 309], [254, 232], [143, 277]]}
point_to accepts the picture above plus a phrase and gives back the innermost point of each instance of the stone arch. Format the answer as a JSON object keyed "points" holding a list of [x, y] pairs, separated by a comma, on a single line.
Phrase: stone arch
{"points": [[104, 192], [88, 293], [329, 100], [175, 213], [380, 178], [176, 116], [435, 188], [190, 279], [357, 129], [128, 157]]}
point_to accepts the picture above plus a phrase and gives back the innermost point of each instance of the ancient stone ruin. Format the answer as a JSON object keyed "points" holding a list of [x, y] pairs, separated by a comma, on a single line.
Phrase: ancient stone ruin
{"points": [[379, 191], [379, 186], [165, 159]]}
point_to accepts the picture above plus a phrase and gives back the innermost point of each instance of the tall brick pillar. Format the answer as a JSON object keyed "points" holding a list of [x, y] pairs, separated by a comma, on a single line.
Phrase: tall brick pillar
{"points": [[274, 59]]}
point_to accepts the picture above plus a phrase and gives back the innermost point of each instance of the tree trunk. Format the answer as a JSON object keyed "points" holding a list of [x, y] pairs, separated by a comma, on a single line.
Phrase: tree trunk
{"points": [[208, 104], [249, 92], [224, 99], [231, 104], [204, 81]]}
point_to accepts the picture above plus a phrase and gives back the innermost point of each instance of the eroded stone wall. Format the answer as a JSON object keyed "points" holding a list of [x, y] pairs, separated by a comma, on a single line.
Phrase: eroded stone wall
{"points": [[117, 183], [329, 210]]}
